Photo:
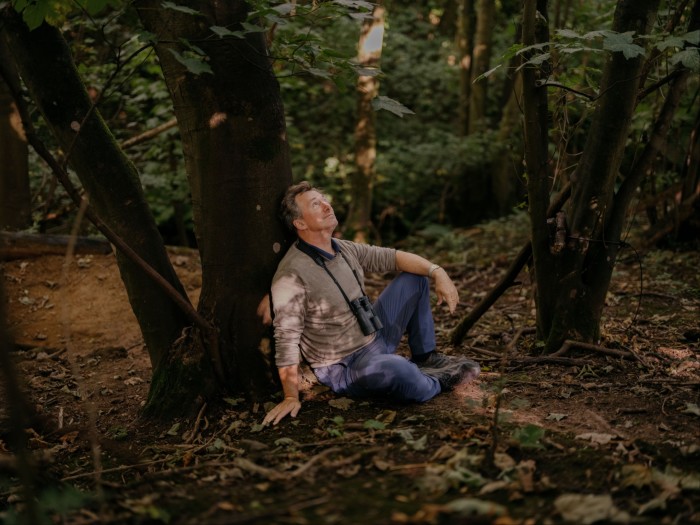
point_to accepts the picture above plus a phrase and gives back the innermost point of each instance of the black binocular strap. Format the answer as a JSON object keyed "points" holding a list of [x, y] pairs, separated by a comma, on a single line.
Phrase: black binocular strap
{"points": [[318, 259]]}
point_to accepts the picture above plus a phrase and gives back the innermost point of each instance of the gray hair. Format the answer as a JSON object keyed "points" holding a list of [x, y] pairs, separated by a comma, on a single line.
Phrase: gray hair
{"points": [[288, 208]]}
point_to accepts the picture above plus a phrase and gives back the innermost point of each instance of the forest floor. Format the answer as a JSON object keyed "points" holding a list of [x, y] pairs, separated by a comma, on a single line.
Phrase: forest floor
{"points": [[590, 438]]}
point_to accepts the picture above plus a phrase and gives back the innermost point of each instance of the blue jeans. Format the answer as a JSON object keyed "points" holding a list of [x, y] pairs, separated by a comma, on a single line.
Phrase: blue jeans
{"points": [[375, 369]]}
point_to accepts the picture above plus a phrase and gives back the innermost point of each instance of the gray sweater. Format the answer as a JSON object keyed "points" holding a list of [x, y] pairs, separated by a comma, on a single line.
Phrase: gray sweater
{"points": [[311, 317]]}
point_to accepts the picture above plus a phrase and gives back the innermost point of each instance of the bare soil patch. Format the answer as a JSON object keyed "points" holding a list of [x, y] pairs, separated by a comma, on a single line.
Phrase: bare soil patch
{"points": [[596, 439]]}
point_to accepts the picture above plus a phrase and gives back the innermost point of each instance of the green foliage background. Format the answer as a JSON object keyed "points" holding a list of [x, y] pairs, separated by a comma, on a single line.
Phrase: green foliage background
{"points": [[427, 174]]}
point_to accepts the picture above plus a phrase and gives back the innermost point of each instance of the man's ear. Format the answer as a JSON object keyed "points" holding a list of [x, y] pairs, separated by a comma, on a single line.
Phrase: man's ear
{"points": [[299, 224]]}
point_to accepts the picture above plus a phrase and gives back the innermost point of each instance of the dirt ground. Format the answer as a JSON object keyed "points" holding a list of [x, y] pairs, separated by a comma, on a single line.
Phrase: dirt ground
{"points": [[602, 435]]}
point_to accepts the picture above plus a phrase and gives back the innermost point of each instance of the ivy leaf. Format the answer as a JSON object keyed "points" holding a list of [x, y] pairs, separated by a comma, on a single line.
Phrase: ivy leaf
{"points": [[391, 105], [180, 8], [196, 66]]}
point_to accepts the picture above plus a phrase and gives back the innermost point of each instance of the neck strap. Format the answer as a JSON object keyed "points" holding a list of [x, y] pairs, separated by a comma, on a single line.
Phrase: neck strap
{"points": [[318, 259]]}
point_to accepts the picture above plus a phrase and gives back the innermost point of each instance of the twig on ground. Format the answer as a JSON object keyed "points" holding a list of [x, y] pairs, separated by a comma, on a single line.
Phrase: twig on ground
{"points": [[190, 438]]}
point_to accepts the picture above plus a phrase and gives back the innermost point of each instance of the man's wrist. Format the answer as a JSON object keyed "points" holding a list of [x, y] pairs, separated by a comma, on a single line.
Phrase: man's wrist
{"points": [[433, 268]]}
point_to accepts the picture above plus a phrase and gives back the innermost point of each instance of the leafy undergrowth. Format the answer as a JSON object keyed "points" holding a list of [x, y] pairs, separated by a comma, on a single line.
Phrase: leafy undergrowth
{"points": [[606, 434]]}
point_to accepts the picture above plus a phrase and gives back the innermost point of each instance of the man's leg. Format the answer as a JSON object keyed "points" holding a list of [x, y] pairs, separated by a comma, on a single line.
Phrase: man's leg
{"points": [[376, 371], [404, 307]]}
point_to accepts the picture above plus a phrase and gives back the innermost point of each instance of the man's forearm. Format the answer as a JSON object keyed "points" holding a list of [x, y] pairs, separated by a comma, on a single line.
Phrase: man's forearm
{"points": [[412, 263], [289, 377]]}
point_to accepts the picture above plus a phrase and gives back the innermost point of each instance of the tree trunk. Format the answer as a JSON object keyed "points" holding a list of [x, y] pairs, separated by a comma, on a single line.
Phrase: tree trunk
{"points": [[506, 168], [538, 179], [110, 180], [362, 181], [486, 13], [15, 195], [583, 269], [465, 45], [237, 159]]}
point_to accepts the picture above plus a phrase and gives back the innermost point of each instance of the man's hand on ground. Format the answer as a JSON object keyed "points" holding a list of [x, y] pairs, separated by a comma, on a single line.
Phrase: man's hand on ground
{"points": [[290, 405]]}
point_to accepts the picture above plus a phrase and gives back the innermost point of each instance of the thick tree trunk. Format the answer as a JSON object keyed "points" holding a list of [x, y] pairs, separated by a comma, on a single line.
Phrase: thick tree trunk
{"points": [[362, 181], [15, 195], [585, 265], [110, 180], [486, 13], [237, 159]]}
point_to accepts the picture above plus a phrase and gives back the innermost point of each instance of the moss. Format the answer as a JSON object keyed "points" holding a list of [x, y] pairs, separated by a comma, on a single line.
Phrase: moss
{"points": [[180, 385]]}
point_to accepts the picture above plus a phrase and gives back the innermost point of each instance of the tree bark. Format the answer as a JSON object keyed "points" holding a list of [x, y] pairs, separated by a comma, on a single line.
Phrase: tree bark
{"points": [[538, 178], [15, 195], [110, 180], [237, 159], [486, 13], [584, 268], [362, 180], [465, 45]]}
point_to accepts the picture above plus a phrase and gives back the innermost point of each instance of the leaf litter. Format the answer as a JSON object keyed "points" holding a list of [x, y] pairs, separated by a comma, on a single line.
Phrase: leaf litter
{"points": [[605, 439]]}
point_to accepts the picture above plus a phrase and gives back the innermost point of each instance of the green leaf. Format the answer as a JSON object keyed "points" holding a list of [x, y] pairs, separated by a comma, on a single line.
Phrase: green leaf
{"points": [[374, 424], [693, 37], [355, 4], [622, 42], [196, 66], [222, 31], [180, 8], [486, 74], [284, 9], [672, 41], [567, 33], [391, 105], [252, 28], [529, 436], [690, 58], [322, 73]]}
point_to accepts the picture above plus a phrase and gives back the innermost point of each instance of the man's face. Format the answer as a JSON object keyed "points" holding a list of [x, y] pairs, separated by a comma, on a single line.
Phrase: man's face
{"points": [[316, 212]]}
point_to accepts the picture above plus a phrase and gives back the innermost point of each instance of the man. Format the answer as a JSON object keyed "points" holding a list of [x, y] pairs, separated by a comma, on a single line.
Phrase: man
{"points": [[321, 313]]}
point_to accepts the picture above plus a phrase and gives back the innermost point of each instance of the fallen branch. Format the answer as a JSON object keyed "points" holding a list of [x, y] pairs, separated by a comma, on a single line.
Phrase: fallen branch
{"points": [[21, 245], [461, 330]]}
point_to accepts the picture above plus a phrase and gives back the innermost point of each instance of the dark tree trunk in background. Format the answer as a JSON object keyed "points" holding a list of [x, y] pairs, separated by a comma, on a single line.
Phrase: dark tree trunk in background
{"points": [[465, 43], [15, 195], [485, 15], [572, 284], [237, 159], [369, 51], [113, 187]]}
